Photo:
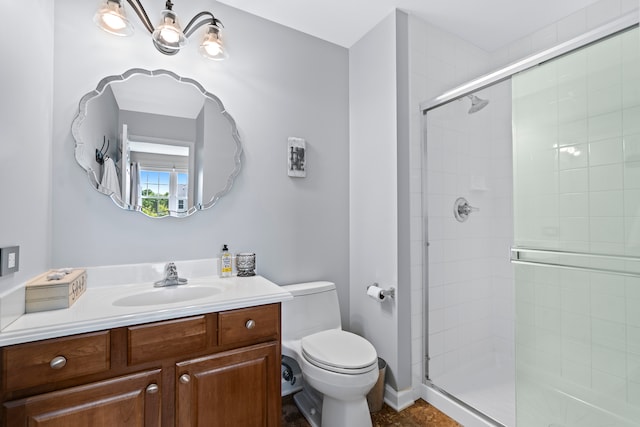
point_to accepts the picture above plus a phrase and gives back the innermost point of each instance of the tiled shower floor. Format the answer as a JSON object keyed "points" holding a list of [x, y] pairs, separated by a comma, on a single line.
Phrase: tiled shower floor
{"points": [[486, 385]]}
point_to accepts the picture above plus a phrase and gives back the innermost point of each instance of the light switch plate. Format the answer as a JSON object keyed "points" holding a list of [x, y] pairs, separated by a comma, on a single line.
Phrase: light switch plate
{"points": [[9, 260]]}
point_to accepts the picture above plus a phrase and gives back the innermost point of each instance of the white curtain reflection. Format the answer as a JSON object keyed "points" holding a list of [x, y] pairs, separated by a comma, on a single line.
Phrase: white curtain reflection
{"points": [[135, 195]]}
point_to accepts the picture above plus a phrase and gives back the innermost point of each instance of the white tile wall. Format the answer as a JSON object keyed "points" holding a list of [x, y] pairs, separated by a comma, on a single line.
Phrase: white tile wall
{"points": [[581, 327], [470, 279], [595, 163], [565, 29]]}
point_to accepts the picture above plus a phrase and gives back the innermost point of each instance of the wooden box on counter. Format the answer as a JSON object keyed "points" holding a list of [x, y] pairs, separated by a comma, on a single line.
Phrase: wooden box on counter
{"points": [[42, 294]]}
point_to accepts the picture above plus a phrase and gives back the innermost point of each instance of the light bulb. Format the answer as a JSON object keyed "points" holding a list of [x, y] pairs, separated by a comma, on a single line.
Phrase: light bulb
{"points": [[169, 34], [112, 19], [212, 49]]}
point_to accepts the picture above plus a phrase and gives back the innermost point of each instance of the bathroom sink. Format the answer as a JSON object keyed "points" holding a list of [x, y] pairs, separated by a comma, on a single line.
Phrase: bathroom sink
{"points": [[167, 295]]}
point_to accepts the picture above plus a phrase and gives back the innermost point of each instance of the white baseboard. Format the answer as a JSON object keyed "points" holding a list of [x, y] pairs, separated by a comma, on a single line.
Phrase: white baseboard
{"points": [[398, 400]]}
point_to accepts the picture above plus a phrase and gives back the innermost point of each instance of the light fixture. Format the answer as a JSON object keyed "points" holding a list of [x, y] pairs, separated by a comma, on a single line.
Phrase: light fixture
{"points": [[168, 37], [212, 47], [111, 18]]}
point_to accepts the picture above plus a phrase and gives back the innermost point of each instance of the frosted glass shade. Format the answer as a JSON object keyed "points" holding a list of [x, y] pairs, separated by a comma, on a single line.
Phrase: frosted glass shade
{"points": [[212, 46], [168, 33], [111, 18]]}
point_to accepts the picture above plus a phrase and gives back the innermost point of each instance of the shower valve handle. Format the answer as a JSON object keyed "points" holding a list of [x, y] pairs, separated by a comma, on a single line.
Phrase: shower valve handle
{"points": [[466, 209], [462, 209]]}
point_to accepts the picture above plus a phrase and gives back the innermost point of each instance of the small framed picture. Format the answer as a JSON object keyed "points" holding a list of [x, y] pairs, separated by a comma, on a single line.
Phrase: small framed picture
{"points": [[296, 152]]}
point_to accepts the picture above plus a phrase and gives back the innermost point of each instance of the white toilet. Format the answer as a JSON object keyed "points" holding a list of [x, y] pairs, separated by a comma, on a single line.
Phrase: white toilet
{"points": [[338, 368]]}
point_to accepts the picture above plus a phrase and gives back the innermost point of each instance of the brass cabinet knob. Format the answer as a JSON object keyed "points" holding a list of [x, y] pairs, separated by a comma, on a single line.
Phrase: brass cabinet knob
{"points": [[58, 362], [185, 378], [152, 388], [250, 324]]}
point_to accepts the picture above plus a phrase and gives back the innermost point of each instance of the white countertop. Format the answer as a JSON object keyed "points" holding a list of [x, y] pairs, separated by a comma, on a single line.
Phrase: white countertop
{"points": [[95, 309]]}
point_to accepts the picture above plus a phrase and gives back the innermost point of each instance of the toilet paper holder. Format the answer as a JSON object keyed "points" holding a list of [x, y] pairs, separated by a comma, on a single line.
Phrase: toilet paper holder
{"points": [[384, 293]]}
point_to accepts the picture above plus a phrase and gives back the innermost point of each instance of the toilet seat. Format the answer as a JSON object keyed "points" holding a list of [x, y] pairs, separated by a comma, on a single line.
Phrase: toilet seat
{"points": [[339, 351]]}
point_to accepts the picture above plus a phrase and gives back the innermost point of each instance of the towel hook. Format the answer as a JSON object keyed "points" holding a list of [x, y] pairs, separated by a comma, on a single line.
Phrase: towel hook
{"points": [[101, 154]]}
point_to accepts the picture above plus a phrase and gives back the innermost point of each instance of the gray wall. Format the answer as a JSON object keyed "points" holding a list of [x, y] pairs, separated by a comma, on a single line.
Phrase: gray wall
{"points": [[276, 83], [158, 125], [378, 67], [219, 151], [25, 133], [100, 126]]}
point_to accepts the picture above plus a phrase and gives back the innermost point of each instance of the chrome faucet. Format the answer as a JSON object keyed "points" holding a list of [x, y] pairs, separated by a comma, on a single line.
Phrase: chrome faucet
{"points": [[170, 277]]}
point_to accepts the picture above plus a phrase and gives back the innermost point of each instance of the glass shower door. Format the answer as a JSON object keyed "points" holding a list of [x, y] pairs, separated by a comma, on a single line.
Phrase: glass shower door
{"points": [[470, 280], [576, 130]]}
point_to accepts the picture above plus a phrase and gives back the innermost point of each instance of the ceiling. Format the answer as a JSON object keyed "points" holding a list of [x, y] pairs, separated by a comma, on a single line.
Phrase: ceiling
{"points": [[161, 94], [489, 24]]}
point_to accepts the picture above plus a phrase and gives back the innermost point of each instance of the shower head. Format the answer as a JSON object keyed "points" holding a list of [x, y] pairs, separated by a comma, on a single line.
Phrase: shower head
{"points": [[477, 104]]}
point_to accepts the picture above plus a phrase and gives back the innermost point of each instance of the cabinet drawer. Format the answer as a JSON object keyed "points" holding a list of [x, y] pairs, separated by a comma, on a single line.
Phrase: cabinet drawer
{"points": [[248, 325], [42, 362], [169, 339]]}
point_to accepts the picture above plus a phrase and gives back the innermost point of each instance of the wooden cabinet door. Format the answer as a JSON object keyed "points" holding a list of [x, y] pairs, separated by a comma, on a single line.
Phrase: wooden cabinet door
{"points": [[235, 388], [130, 401]]}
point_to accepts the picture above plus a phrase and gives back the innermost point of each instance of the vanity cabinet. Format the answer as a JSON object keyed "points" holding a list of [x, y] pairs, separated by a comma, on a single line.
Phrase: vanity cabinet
{"points": [[133, 400], [214, 369], [239, 387], [234, 388]]}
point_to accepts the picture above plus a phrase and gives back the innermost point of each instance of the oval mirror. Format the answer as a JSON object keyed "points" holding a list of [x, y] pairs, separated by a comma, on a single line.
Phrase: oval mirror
{"points": [[156, 143]]}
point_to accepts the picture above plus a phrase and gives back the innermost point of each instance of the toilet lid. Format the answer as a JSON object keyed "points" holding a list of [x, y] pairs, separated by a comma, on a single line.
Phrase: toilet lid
{"points": [[339, 351]]}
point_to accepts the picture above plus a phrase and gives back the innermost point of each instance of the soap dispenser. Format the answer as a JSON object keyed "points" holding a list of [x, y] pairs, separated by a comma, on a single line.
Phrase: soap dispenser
{"points": [[225, 262]]}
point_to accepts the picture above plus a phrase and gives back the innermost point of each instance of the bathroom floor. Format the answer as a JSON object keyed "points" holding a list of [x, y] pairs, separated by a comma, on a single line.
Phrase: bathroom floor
{"points": [[417, 415]]}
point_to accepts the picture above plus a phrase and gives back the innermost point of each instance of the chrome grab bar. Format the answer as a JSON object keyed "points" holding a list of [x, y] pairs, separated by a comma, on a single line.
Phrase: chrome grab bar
{"points": [[518, 256]]}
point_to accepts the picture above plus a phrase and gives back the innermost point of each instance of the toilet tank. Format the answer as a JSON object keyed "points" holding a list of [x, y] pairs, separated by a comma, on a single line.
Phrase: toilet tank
{"points": [[314, 308]]}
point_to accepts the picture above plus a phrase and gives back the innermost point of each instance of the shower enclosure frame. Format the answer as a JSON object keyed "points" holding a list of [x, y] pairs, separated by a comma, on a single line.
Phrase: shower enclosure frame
{"points": [[468, 88], [625, 22]]}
